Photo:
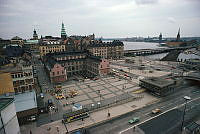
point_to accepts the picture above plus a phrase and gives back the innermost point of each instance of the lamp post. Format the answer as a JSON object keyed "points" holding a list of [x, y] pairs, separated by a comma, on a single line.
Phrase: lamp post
{"points": [[187, 98]]}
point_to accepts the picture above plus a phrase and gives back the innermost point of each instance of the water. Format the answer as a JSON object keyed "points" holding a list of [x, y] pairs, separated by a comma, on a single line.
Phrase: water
{"points": [[146, 45], [140, 45]]}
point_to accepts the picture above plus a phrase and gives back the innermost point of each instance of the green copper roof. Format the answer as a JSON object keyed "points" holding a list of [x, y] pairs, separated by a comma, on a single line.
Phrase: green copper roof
{"points": [[63, 33]]}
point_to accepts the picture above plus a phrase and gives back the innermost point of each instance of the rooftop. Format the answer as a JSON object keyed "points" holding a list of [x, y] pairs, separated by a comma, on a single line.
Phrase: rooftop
{"points": [[25, 101], [159, 82], [4, 102]]}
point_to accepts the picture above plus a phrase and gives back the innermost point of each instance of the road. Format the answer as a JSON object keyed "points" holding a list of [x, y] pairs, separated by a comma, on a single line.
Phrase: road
{"points": [[121, 123], [45, 85]]}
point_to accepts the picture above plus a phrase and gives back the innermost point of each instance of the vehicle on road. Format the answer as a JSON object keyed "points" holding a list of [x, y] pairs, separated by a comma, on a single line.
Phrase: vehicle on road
{"points": [[60, 96], [134, 120], [156, 111], [76, 115], [41, 95], [95, 78], [58, 88], [32, 118], [72, 93], [50, 102]]}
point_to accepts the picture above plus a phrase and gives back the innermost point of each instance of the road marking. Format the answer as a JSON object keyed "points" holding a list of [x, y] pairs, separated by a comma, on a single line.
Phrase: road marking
{"points": [[157, 115]]}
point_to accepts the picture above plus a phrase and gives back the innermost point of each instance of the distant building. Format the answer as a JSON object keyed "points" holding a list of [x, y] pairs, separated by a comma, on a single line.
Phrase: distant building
{"points": [[160, 38], [158, 86], [13, 50], [178, 42], [4, 42], [178, 38], [8, 122], [62, 65], [109, 50], [17, 40], [35, 36]]}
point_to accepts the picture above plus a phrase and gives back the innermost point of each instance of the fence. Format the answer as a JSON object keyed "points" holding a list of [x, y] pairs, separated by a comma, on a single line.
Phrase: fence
{"points": [[116, 100]]}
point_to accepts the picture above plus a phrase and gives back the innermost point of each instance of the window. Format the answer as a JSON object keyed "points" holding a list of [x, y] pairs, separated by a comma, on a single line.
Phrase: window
{"points": [[53, 73], [58, 73], [62, 72]]}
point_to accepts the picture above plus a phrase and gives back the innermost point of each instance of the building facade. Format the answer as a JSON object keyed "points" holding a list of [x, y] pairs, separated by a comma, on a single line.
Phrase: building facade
{"points": [[51, 47], [8, 118], [62, 65], [22, 76], [108, 50]]}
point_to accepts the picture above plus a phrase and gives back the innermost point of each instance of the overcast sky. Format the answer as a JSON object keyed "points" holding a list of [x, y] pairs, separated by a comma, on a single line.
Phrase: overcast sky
{"points": [[106, 18]]}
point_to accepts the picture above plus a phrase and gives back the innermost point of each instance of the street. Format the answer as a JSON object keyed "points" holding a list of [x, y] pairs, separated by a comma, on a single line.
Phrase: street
{"points": [[121, 123]]}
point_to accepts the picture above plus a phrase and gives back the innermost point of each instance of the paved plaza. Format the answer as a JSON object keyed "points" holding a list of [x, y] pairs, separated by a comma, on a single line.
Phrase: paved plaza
{"points": [[94, 91]]}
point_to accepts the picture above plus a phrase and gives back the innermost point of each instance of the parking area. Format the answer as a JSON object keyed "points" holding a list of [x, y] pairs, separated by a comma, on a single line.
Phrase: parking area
{"points": [[94, 91]]}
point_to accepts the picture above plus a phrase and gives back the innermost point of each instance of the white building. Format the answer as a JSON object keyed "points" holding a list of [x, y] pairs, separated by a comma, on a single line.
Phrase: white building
{"points": [[8, 118]]}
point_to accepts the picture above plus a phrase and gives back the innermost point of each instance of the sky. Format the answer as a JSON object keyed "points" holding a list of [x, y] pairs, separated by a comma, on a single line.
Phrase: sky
{"points": [[104, 18]]}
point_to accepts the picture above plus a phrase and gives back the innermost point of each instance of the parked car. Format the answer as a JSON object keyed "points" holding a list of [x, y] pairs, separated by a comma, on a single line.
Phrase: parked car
{"points": [[60, 96], [156, 111], [134, 120], [41, 95], [50, 102], [32, 118]]}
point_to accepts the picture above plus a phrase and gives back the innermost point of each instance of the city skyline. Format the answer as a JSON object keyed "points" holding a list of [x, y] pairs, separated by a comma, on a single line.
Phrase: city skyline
{"points": [[108, 19]]}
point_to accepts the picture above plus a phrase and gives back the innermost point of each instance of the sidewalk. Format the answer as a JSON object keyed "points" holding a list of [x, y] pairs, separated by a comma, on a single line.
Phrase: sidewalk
{"points": [[95, 117]]}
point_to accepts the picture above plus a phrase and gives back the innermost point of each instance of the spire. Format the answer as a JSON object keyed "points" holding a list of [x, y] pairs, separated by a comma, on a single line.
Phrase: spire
{"points": [[160, 38], [178, 35], [35, 36], [63, 33]]}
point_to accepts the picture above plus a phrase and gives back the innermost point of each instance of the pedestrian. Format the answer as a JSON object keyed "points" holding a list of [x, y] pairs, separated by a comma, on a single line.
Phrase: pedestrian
{"points": [[134, 128]]}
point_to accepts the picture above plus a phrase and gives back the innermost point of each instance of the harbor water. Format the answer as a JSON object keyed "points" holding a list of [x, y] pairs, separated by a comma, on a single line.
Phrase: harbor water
{"points": [[146, 45]]}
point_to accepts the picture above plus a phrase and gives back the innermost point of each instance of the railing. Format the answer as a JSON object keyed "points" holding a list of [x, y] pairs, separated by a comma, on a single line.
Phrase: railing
{"points": [[116, 100]]}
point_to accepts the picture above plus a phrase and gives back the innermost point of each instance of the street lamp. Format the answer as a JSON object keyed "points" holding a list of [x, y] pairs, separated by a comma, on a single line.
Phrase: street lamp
{"points": [[187, 98]]}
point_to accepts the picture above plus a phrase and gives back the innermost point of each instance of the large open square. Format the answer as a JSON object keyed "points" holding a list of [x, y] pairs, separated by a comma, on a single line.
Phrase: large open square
{"points": [[94, 91]]}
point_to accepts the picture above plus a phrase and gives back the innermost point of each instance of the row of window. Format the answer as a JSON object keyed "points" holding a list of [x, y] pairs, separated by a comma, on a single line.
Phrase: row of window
{"points": [[23, 89], [22, 82], [58, 73], [19, 75], [71, 57]]}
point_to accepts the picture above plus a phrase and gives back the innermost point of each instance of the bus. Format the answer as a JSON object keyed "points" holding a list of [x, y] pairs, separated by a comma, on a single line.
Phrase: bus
{"points": [[76, 115]]}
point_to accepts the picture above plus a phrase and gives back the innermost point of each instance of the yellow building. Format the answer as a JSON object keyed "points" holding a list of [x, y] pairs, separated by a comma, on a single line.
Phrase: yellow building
{"points": [[51, 47], [6, 83]]}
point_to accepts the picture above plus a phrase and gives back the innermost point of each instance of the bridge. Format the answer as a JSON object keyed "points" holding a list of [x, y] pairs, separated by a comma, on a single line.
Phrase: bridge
{"points": [[143, 52], [190, 76]]}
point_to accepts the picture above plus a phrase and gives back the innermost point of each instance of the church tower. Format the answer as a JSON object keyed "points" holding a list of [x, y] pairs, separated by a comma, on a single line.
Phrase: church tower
{"points": [[178, 38], [160, 38], [63, 33], [35, 36]]}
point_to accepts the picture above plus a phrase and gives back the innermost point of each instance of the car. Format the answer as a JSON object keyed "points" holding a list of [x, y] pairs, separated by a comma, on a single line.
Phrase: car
{"points": [[41, 95], [156, 111], [32, 118], [50, 102], [134, 120], [60, 96]]}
